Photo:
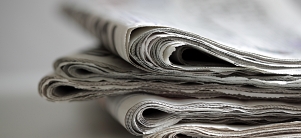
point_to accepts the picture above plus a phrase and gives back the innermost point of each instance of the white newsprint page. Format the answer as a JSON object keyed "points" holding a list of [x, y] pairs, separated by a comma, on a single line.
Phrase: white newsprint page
{"points": [[200, 36]]}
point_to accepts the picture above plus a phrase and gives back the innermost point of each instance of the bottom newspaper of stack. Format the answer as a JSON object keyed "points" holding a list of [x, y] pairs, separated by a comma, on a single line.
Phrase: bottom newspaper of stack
{"points": [[168, 105]]}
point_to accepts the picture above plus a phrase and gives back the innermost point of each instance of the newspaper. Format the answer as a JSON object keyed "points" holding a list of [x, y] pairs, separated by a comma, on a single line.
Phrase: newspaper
{"points": [[199, 37], [199, 130], [217, 68], [96, 73], [143, 114]]}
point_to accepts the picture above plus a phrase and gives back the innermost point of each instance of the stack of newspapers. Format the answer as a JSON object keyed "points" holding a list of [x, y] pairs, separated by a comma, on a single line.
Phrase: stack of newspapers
{"points": [[198, 68]]}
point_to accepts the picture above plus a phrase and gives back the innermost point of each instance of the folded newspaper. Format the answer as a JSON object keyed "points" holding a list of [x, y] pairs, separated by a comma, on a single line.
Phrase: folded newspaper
{"points": [[196, 37], [143, 114], [172, 68], [95, 73], [200, 130]]}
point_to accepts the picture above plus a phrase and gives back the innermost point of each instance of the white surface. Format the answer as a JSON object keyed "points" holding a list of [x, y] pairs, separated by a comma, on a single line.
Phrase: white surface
{"points": [[33, 33]]}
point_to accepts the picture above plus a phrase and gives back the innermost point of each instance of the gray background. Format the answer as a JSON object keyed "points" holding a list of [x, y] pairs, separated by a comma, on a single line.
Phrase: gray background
{"points": [[33, 33]]}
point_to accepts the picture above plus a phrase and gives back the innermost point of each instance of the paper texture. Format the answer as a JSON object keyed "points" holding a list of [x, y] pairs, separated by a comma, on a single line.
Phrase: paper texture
{"points": [[96, 73], [199, 68], [185, 37], [145, 114]]}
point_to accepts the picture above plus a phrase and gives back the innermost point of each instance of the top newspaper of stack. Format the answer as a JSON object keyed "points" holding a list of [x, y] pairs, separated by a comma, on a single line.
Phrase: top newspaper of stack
{"points": [[199, 37]]}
